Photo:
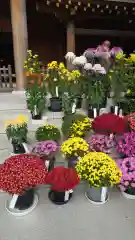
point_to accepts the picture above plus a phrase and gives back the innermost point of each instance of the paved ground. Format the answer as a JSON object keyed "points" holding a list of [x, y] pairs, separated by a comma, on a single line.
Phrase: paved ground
{"points": [[79, 219]]}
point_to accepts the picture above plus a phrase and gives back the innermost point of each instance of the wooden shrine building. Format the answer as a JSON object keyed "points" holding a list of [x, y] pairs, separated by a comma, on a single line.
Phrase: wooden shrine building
{"points": [[53, 27]]}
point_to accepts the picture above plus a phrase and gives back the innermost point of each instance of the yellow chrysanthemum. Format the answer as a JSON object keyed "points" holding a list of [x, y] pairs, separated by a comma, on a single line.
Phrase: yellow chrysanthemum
{"points": [[132, 57], [98, 169], [75, 146]]}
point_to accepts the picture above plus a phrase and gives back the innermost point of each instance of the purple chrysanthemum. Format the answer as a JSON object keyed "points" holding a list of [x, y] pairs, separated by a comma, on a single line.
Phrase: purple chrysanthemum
{"points": [[101, 143], [45, 148], [127, 167], [126, 144]]}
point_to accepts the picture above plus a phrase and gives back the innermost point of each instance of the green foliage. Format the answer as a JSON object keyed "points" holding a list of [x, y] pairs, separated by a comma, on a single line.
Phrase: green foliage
{"points": [[17, 133], [35, 97], [94, 89], [48, 132], [32, 63]]}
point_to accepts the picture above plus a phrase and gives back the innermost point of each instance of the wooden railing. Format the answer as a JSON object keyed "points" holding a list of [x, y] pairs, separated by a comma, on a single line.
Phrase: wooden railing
{"points": [[7, 78]]}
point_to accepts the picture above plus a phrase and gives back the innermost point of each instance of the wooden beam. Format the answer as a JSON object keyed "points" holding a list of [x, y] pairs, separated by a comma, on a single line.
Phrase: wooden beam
{"points": [[101, 32], [20, 39], [70, 40]]}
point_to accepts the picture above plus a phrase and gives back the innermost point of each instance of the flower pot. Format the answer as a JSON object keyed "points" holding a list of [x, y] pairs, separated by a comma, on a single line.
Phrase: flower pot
{"points": [[55, 104], [18, 148], [129, 195], [60, 198], [66, 115], [49, 162], [21, 205], [78, 103], [36, 117], [97, 195], [93, 112], [72, 162]]}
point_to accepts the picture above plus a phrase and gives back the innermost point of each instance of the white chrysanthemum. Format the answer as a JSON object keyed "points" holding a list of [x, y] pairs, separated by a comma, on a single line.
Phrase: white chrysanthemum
{"points": [[80, 61], [88, 66], [98, 68], [70, 56]]}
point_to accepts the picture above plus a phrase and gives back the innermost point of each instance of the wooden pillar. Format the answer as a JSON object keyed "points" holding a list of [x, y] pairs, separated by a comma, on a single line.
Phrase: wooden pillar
{"points": [[70, 40], [20, 39]]}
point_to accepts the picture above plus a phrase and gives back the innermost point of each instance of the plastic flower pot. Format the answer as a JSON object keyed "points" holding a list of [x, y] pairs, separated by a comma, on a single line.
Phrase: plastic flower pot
{"points": [[78, 102], [129, 194], [18, 148], [21, 205], [55, 104], [67, 115], [49, 162], [93, 112], [72, 162], [60, 198], [36, 117], [97, 195]]}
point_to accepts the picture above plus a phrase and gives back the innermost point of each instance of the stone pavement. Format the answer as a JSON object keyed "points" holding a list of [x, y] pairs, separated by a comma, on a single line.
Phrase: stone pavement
{"points": [[79, 219]]}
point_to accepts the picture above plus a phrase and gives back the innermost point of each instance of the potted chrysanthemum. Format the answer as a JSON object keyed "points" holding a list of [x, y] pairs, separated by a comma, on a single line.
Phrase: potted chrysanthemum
{"points": [[126, 144], [53, 80], [101, 172], [48, 132], [127, 182], [16, 131], [109, 123], [76, 125], [62, 181], [101, 143], [73, 148], [131, 121], [19, 175], [46, 150]]}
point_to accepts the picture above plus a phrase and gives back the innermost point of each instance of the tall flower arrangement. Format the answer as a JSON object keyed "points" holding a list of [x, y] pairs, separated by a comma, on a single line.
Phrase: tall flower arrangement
{"points": [[70, 85], [53, 78], [35, 88], [32, 63], [22, 172]]}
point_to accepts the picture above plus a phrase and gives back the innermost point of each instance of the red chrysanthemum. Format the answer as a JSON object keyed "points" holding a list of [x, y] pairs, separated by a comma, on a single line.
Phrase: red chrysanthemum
{"points": [[131, 121], [22, 172], [62, 179], [109, 123]]}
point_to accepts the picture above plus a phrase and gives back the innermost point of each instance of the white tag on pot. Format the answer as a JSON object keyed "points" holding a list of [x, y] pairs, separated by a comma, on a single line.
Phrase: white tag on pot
{"points": [[103, 194], [111, 136], [13, 201], [57, 94], [95, 112], [26, 148], [116, 110], [35, 110], [47, 163], [120, 113], [70, 191], [73, 107], [66, 195]]}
